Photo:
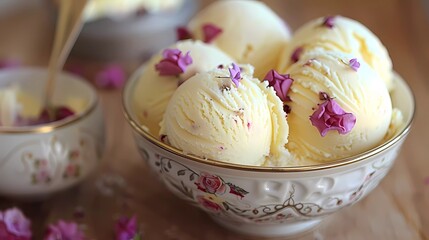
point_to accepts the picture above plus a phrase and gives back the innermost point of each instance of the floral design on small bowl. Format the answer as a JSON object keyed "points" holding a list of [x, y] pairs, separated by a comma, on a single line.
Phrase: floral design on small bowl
{"points": [[56, 161]]}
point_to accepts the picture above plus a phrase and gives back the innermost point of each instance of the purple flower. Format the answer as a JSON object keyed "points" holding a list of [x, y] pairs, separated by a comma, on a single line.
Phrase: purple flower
{"points": [[329, 21], [173, 62], [183, 33], [235, 74], [281, 84], [9, 63], [296, 54], [126, 229], [210, 32], [14, 225], [354, 64], [64, 231], [330, 116], [112, 76]]}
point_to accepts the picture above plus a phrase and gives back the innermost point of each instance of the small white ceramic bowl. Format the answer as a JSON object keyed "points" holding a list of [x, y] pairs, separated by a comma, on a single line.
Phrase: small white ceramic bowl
{"points": [[36, 161], [265, 201]]}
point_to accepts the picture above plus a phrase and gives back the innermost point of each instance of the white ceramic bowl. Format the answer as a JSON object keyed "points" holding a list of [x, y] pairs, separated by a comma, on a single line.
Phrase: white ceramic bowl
{"points": [[132, 37], [264, 201], [36, 161]]}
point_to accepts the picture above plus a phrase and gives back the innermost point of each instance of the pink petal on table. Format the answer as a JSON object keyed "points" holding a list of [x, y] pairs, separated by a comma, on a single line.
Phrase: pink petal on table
{"points": [[9, 63], [64, 230], [112, 76]]}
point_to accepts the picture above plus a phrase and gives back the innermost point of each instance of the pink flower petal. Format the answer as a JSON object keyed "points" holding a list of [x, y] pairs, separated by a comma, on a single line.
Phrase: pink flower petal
{"points": [[9, 63], [15, 224], [329, 21], [235, 74], [330, 116], [296, 54], [210, 32], [64, 230], [126, 228], [354, 64], [112, 76], [183, 33], [280, 82], [173, 62]]}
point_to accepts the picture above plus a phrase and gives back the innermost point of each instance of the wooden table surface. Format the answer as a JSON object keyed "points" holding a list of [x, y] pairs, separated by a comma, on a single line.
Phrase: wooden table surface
{"points": [[397, 209]]}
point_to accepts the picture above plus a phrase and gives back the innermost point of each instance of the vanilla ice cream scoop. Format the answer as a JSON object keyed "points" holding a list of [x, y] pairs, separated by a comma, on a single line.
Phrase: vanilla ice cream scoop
{"points": [[249, 31], [227, 116], [341, 34], [339, 107], [154, 89]]}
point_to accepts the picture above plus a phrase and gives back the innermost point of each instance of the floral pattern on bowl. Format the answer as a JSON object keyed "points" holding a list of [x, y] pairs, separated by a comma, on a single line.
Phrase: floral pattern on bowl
{"points": [[213, 194]]}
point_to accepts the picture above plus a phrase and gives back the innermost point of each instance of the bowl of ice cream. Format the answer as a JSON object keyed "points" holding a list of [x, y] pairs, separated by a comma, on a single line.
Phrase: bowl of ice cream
{"points": [[43, 155], [271, 155]]}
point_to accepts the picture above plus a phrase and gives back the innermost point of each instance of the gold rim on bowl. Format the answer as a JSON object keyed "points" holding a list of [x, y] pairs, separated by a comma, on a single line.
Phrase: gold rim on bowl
{"points": [[322, 166], [49, 127]]}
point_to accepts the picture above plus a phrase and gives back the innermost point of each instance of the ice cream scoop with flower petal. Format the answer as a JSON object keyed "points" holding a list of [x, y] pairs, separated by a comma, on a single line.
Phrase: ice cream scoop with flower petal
{"points": [[166, 71], [249, 31], [337, 109], [227, 115], [339, 34]]}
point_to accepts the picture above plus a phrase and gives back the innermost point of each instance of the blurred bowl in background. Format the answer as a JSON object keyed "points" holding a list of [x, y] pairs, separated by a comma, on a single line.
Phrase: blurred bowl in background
{"points": [[132, 37], [36, 161]]}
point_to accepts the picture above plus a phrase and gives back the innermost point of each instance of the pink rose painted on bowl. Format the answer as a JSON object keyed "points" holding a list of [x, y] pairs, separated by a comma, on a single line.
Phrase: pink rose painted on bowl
{"points": [[210, 183]]}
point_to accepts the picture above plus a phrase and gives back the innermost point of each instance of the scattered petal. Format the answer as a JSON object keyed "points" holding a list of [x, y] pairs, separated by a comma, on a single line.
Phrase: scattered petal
{"points": [[9, 63], [330, 116], [173, 62], [127, 229], [296, 54], [280, 82], [183, 33], [14, 225], [210, 32], [79, 212], [63, 112], [426, 181], [65, 231], [354, 64], [112, 76], [235, 74], [329, 21]]}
